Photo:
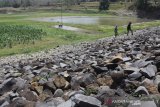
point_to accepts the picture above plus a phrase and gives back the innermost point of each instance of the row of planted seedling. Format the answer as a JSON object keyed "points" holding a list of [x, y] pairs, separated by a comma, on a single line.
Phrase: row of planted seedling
{"points": [[11, 35]]}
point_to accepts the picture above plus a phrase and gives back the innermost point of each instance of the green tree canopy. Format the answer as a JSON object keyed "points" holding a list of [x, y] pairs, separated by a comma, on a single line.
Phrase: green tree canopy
{"points": [[104, 5]]}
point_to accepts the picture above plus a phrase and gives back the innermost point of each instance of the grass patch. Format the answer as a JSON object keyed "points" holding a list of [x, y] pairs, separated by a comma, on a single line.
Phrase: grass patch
{"points": [[56, 37]]}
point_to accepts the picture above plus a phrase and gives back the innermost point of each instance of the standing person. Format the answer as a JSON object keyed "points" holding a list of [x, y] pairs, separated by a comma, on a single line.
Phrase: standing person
{"points": [[116, 30], [129, 28]]}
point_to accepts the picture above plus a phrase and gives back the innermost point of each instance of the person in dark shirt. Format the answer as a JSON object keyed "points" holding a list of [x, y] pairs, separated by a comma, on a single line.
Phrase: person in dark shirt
{"points": [[129, 28], [116, 30]]}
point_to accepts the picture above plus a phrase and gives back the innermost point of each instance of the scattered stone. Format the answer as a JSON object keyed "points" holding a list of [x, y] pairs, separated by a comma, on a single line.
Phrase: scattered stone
{"points": [[60, 82], [149, 71], [99, 69], [51, 102], [86, 101], [157, 79], [156, 52], [58, 93], [104, 92], [36, 87], [87, 79], [152, 89], [141, 63], [105, 81], [7, 85], [20, 84], [135, 75], [20, 102], [43, 96], [29, 95], [72, 93], [62, 65], [126, 67], [50, 85], [68, 103], [5, 104], [141, 91], [130, 70]]}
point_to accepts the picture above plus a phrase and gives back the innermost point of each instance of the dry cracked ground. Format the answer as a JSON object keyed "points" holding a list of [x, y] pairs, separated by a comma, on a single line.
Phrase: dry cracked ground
{"points": [[96, 74]]}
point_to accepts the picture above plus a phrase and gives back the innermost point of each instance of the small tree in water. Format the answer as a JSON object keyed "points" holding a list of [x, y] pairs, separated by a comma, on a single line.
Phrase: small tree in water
{"points": [[103, 5]]}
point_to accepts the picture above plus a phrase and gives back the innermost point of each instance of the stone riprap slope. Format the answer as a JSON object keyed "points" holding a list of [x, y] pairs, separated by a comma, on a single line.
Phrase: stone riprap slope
{"points": [[85, 75]]}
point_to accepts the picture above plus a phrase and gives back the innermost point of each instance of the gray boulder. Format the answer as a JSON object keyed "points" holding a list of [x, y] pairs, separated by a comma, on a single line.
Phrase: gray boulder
{"points": [[7, 85], [86, 101], [68, 103], [141, 90], [149, 71], [58, 93], [52, 102]]}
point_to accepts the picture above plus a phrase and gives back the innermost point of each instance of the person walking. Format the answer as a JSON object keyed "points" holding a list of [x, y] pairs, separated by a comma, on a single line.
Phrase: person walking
{"points": [[129, 28], [116, 30]]}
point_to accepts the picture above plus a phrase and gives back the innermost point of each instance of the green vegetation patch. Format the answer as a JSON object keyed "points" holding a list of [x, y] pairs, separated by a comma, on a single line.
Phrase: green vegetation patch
{"points": [[11, 35]]}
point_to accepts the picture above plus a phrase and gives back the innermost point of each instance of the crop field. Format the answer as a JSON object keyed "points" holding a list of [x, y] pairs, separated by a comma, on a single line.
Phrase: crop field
{"points": [[11, 35]]}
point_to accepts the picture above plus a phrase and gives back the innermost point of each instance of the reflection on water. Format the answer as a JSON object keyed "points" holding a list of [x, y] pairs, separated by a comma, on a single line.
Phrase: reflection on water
{"points": [[93, 20]]}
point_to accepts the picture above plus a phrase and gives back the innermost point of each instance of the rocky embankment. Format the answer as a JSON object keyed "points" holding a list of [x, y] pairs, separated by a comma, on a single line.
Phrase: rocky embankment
{"points": [[86, 75]]}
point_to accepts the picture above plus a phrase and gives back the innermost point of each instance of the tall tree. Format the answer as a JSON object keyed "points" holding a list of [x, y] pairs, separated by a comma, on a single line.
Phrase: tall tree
{"points": [[142, 4], [104, 5]]}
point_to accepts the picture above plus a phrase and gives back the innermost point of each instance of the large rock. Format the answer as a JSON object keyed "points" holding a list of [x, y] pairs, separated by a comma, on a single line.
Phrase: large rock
{"points": [[69, 94], [157, 80], [156, 52], [149, 71], [136, 50], [51, 102], [87, 79], [50, 85], [75, 83], [20, 84], [120, 92], [20, 102], [135, 75], [152, 89], [105, 81], [68, 103], [27, 68], [7, 85], [141, 63], [103, 89], [141, 90], [86, 101], [65, 75], [104, 92], [91, 89], [60, 82], [150, 86], [62, 65], [29, 95], [36, 87], [99, 69], [4, 104], [43, 96], [58, 93], [130, 70]]}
